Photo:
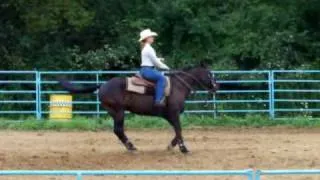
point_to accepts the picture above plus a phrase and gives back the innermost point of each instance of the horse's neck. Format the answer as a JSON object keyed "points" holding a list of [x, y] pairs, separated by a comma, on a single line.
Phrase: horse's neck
{"points": [[185, 82], [190, 76]]}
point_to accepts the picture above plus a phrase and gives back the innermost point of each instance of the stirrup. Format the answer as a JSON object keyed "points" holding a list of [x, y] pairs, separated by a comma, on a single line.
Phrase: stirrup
{"points": [[161, 103]]}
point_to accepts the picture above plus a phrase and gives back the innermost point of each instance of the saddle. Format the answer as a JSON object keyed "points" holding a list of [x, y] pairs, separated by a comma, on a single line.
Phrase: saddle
{"points": [[140, 81], [140, 85]]}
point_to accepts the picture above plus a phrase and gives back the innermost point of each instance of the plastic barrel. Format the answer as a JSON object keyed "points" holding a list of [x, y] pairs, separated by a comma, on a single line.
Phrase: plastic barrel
{"points": [[60, 107]]}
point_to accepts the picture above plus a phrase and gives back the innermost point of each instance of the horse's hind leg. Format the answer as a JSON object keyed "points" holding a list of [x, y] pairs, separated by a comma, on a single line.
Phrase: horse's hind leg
{"points": [[118, 129]]}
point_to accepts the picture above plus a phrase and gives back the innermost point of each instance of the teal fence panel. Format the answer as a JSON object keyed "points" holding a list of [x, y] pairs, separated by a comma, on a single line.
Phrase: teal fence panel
{"points": [[18, 93], [248, 174], [296, 172], [243, 92], [296, 93]]}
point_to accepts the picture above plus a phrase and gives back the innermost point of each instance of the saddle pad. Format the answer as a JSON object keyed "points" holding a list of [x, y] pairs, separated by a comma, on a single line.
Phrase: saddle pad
{"points": [[140, 89]]}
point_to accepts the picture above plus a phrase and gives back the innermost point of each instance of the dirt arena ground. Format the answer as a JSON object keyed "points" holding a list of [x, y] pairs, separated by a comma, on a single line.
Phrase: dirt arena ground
{"points": [[219, 149]]}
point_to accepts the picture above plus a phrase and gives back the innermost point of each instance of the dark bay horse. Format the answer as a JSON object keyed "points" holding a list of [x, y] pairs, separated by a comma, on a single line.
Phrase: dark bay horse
{"points": [[115, 99]]}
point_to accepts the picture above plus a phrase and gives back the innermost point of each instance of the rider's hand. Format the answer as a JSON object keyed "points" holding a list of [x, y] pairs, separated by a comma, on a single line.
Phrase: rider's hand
{"points": [[161, 59]]}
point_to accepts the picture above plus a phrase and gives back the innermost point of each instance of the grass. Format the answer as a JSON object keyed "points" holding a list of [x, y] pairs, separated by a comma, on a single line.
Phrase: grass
{"points": [[137, 122]]}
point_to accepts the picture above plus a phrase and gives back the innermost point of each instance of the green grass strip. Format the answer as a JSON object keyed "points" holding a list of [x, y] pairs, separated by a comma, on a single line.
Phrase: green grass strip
{"points": [[144, 122]]}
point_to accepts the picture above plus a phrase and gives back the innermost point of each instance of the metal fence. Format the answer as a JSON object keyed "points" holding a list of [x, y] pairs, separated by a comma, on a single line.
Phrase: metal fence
{"points": [[79, 174], [278, 93], [260, 173]]}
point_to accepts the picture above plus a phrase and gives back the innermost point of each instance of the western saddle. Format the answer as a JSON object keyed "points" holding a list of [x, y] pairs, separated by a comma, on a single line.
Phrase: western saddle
{"points": [[138, 80]]}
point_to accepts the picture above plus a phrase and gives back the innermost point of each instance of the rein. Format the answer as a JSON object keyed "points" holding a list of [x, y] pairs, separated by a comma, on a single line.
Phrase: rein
{"points": [[175, 73], [210, 93], [184, 83]]}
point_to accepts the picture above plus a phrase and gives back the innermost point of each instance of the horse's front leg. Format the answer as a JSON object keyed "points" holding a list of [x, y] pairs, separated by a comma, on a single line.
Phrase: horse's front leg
{"points": [[174, 120]]}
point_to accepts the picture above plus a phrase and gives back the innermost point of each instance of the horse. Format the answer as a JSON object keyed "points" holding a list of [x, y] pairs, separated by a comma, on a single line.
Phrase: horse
{"points": [[116, 100]]}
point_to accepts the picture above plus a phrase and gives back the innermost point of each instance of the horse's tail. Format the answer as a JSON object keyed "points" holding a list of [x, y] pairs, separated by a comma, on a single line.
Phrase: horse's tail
{"points": [[68, 86]]}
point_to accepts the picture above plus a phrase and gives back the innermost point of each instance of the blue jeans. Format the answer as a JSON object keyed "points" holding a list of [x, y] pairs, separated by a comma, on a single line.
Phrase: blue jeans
{"points": [[155, 76]]}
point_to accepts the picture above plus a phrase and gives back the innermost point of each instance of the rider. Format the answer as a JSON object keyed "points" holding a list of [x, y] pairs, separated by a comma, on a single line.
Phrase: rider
{"points": [[149, 63]]}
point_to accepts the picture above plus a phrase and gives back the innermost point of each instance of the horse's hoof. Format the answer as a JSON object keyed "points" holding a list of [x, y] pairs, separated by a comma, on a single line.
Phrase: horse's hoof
{"points": [[133, 149], [184, 150], [130, 147]]}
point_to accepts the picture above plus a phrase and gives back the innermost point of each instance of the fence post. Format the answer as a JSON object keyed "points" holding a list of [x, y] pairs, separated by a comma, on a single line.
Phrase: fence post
{"points": [[251, 175], [271, 94], [258, 175], [214, 106], [38, 95], [79, 176], [214, 98], [97, 97]]}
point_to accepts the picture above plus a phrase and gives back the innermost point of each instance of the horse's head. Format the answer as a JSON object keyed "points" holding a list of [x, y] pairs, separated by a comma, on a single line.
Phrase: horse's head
{"points": [[206, 77]]}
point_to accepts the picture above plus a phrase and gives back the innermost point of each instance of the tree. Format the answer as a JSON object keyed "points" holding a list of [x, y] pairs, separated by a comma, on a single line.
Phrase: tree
{"points": [[229, 34]]}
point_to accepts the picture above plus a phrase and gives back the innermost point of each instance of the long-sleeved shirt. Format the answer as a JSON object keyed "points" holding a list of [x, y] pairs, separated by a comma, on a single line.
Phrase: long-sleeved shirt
{"points": [[149, 58]]}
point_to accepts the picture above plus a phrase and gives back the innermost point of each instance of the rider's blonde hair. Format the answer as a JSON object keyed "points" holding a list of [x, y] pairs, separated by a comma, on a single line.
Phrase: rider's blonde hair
{"points": [[142, 44]]}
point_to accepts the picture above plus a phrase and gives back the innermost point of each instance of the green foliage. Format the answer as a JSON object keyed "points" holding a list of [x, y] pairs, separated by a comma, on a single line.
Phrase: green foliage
{"points": [[105, 58], [50, 16], [231, 34], [102, 35]]}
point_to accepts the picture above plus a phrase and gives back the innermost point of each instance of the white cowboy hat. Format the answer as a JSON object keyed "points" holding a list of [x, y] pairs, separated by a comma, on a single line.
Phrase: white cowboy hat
{"points": [[146, 33]]}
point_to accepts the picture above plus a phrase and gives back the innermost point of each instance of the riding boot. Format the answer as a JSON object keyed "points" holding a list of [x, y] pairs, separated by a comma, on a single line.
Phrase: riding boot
{"points": [[160, 103]]}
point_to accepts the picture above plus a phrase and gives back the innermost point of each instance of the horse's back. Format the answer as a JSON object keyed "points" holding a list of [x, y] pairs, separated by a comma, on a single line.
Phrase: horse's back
{"points": [[112, 91]]}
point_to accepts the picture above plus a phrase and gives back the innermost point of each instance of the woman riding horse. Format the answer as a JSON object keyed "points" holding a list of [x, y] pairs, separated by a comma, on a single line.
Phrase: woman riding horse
{"points": [[115, 98], [149, 63]]}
